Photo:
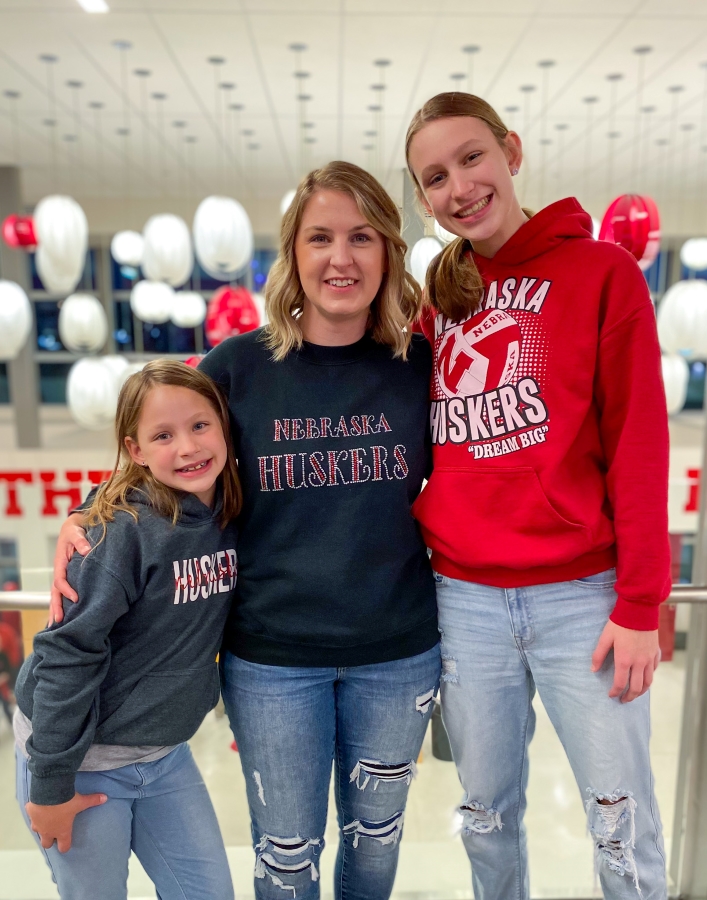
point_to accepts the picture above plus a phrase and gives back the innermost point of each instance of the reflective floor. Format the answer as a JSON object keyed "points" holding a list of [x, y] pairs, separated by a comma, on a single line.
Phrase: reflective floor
{"points": [[432, 863]]}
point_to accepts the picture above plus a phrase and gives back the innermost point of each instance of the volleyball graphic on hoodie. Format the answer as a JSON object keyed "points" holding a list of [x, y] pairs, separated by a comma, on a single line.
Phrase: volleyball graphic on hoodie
{"points": [[478, 355]]}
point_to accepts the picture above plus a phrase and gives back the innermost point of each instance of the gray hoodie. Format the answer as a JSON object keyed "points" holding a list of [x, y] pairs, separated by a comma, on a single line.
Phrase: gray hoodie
{"points": [[134, 662]]}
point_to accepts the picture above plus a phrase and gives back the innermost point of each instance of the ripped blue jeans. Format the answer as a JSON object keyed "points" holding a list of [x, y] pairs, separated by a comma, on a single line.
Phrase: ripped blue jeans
{"points": [[498, 646], [290, 724]]}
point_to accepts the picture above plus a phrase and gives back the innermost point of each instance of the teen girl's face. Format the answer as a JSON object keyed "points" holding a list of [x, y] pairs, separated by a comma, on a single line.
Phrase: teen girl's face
{"points": [[341, 262], [466, 182], [180, 439]]}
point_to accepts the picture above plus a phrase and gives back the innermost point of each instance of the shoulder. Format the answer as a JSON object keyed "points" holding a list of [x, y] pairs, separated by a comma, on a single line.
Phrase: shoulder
{"points": [[234, 354]]}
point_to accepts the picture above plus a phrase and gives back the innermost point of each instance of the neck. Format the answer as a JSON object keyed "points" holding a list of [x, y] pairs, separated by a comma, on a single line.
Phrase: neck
{"points": [[317, 329], [207, 497], [513, 221]]}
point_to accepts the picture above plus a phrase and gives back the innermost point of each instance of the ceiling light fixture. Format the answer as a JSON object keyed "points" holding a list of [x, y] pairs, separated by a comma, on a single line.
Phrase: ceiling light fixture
{"points": [[94, 6]]}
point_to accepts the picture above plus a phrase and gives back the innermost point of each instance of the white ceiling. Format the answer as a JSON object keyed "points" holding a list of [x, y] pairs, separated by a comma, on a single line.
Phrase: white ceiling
{"points": [[423, 40]]}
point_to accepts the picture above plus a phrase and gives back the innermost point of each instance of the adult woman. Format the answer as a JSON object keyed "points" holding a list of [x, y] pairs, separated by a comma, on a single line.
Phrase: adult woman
{"points": [[550, 447], [332, 648]]}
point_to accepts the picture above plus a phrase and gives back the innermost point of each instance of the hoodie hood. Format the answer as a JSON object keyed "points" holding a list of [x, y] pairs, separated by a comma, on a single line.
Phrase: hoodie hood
{"points": [[556, 223], [192, 512]]}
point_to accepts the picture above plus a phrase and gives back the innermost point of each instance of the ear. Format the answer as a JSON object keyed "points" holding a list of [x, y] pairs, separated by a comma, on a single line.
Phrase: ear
{"points": [[135, 452], [514, 150], [423, 200]]}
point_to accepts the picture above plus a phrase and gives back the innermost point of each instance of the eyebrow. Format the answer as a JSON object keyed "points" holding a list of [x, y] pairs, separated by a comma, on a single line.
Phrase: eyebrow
{"points": [[330, 230]]}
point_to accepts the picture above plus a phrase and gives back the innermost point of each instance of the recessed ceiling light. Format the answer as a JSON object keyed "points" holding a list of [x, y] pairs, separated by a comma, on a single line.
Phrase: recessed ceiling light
{"points": [[94, 6]]}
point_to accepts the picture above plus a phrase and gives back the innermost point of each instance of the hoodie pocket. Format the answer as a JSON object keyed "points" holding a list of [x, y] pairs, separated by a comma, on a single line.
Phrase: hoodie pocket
{"points": [[164, 707], [496, 517]]}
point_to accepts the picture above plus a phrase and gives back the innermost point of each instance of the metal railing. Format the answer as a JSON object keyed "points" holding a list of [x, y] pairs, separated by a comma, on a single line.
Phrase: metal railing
{"points": [[19, 600]]}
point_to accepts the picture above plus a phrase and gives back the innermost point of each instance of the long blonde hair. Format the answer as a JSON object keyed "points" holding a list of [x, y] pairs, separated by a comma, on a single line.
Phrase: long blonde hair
{"points": [[454, 285], [398, 301], [128, 476]]}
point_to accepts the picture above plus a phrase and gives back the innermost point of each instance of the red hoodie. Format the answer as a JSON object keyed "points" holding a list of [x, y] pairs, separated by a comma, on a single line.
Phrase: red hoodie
{"points": [[549, 422]]}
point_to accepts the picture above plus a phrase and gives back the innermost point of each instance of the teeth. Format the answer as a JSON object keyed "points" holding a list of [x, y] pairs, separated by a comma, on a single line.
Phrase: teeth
{"points": [[194, 468], [470, 210], [340, 282]]}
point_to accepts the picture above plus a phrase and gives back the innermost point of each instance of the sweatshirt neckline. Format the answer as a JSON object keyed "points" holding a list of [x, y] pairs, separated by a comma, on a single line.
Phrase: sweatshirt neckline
{"points": [[320, 355]]}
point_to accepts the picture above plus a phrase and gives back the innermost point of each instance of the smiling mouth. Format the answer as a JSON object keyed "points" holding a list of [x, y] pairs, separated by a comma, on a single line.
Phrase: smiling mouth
{"points": [[195, 467], [340, 282], [473, 208]]}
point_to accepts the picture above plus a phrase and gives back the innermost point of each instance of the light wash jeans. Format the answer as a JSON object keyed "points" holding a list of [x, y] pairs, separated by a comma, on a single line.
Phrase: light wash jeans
{"points": [[160, 810], [498, 645], [290, 723]]}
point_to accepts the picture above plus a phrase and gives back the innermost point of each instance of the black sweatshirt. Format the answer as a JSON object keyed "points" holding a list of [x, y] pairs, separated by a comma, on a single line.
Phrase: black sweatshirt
{"points": [[333, 446], [134, 662]]}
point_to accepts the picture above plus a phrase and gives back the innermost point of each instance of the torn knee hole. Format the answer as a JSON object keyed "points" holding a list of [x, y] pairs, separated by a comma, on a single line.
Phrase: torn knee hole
{"points": [[479, 819], [424, 702], [276, 857], [611, 823], [449, 669], [386, 832], [367, 770]]}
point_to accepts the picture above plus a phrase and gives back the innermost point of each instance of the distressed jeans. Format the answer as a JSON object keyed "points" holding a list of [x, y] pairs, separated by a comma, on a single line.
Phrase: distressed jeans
{"points": [[498, 646], [290, 724], [161, 811]]}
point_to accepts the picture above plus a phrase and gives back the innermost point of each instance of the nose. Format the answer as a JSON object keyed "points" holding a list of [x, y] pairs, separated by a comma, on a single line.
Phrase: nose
{"points": [[341, 255], [461, 184], [188, 445]]}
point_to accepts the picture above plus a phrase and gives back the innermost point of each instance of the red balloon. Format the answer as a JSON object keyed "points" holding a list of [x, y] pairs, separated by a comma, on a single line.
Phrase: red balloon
{"points": [[632, 222], [193, 361], [18, 231], [230, 311]]}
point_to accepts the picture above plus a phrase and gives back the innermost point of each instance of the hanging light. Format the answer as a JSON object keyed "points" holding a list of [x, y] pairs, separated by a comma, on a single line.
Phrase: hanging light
{"points": [[168, 253], [693, 254], [676, 375], [231, 311], [92, 391], [446, 237], [15, 319], [421, 255], [682, 319], [83, 326], [286, 201], [152, 301], [61, 229], [127, 248], [632, 221], [223, 237], [18, 232], [188, 309]]}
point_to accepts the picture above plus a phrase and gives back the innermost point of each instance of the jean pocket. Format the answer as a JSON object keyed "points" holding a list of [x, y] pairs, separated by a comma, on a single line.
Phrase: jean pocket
{"points": [[602, 580], [439, 579]]}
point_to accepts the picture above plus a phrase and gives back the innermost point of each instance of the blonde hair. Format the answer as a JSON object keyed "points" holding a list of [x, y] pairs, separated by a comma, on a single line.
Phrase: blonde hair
{"points": [[453, 285], [399, 299], [128, 476]]}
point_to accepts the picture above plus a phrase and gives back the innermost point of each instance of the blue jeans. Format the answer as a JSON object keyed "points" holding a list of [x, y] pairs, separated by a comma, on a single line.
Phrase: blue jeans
{"points": [[160, 810], [498, 645], [290, 724]]}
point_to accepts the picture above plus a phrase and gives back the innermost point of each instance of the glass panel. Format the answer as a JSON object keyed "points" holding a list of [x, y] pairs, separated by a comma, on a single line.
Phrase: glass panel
{"points": [[4, 384], [52, 382]]}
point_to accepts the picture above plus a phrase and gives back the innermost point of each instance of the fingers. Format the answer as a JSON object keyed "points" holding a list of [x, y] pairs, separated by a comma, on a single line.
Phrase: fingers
{"points": [[80, 542], [601, 651], [621, 678], [62, 586], [636, 684], [86, 801], [63, 842]]}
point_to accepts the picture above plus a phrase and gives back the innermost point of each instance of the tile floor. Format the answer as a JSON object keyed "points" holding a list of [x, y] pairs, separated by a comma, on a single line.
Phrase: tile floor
{"points": [[433, 865]]}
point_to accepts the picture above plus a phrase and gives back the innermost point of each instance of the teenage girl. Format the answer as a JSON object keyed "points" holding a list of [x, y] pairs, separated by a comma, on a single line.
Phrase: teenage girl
{"points": [[546, 511], [110, 695]]}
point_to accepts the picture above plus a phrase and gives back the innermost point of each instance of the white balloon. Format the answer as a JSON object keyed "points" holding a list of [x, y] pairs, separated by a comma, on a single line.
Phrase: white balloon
{"points": [[421, 255], [127, 248], [129, 370], [259, 301], [676, 374], [188, 309], [167, 254], [286, 201], [62, 242], [15, 319], [682, 319], [442, 234], [83, 325], [693, 254], [92, 392], [152, 301], [596, 227], [223, 237]]}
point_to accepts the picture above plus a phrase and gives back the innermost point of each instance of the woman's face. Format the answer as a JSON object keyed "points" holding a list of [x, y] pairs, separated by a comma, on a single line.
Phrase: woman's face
{"points": [[466, 181], [341, 260]]}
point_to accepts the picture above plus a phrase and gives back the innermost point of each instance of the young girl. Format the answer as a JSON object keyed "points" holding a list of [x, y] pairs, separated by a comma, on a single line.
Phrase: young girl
{"points": [[110, 696], [547, 508]]}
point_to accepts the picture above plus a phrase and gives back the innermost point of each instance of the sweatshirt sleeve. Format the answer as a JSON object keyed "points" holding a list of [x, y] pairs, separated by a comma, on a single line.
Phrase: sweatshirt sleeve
{"points": [[71, 661], [634, 432]]}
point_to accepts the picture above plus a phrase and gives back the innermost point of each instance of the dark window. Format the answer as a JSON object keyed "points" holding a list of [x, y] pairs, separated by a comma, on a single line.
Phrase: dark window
{"points": [[52, 382], [696, 386], [4, 384], [47, 316]]}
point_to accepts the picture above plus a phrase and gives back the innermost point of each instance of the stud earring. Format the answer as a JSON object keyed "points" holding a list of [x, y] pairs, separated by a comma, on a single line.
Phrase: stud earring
{"points": [[514, 171]]}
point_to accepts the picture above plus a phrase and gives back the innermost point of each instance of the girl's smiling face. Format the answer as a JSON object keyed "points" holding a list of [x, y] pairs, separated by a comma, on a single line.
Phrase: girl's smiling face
{"points": [[464, 175], [180, 439]]}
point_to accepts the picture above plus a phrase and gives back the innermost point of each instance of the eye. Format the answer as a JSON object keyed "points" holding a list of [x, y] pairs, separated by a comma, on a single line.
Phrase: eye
{"points": [[162, 436], [435, 179], [200, 426], [318, 239], [361, 238], [472, 156]]}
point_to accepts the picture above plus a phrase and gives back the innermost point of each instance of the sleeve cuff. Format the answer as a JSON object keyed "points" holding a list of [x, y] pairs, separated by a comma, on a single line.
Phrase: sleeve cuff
{"points": [[51, 790], [636, 616]]}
